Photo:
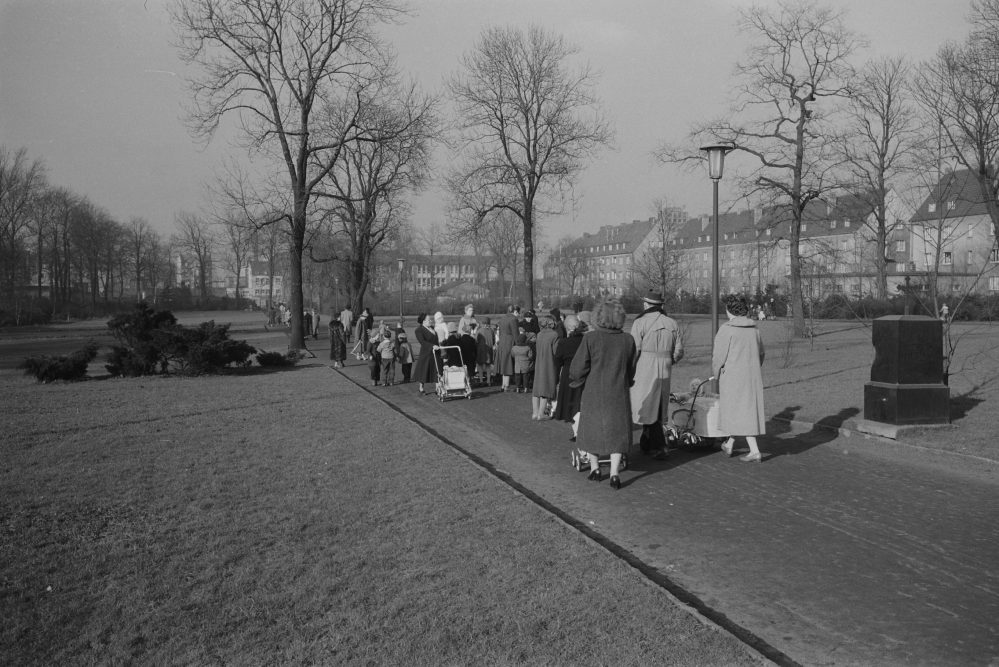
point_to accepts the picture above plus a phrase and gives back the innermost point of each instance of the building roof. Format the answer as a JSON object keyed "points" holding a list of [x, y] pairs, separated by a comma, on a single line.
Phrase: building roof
{"points": [[956, 195], [609, 240]]}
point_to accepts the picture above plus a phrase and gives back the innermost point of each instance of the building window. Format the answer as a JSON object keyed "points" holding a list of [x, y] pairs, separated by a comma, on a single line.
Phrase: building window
{"points": [[931, 207], [804, 226], [832, 224], [994, 283], [900, 246], [952, 204], [846, 223], [994, 255], [971, 258], [948, 258]]}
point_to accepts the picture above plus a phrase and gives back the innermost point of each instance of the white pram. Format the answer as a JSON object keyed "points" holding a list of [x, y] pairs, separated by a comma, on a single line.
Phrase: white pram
{"points": [[452, 381]]}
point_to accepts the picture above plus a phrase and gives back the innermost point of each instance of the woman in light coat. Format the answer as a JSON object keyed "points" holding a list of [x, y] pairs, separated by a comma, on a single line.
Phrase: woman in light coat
{"points": [[657, 338], [737, 361]]}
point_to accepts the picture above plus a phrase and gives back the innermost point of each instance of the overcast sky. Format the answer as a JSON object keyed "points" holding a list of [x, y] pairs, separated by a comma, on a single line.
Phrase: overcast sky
{"points": [[95, 89]]}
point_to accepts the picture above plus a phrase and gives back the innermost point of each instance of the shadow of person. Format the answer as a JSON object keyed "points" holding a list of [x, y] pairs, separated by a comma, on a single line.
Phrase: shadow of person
{"points": [[961, 405], [785, 442]]}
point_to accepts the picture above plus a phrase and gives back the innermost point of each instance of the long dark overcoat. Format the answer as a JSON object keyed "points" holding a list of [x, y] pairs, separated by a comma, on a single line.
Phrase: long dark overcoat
{"points": [[425, 370], [605, 362], [545, 377], [568, 397], [338, 344], [507, 331], [737, 362]]}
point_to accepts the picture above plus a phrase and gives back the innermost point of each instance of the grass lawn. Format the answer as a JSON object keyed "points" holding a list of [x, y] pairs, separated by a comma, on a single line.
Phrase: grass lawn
{"points": [[281, 517]]}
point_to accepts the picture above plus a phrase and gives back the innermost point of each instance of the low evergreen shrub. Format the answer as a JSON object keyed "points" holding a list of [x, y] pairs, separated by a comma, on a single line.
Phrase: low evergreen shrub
{"points": [[71, 367], [278, 360]]}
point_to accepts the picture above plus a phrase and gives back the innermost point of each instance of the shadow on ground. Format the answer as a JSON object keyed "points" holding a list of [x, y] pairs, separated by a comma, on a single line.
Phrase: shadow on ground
{"points": [[781, 440]]}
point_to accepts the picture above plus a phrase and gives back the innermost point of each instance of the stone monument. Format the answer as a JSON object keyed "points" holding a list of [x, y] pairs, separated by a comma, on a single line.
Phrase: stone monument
{"points": [[907, 382]]}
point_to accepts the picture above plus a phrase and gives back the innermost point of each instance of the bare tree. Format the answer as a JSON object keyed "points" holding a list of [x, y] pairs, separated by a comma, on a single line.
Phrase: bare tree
{"points": [[529, 124], [959, 90], [800, 55], [661, 264], [273, 64], [22, 181], [140, 236], [879, 147], [570, 265], [364, 196], [236, 238], [196, 242]]}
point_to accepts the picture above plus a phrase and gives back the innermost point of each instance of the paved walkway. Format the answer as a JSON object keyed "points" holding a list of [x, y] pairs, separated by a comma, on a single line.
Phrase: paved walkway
{"points": [[834, 551]]}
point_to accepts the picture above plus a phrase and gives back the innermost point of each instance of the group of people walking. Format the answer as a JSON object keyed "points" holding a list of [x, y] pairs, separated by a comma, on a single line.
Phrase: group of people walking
{"points": [[583, 369]]}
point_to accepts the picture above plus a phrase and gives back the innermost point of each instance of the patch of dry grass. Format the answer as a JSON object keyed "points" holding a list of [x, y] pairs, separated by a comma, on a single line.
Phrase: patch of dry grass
{"points": [[283, 518]]}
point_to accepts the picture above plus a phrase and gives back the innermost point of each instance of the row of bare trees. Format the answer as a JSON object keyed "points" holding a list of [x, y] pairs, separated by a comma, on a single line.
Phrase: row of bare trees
{"points": [[812, 123]]}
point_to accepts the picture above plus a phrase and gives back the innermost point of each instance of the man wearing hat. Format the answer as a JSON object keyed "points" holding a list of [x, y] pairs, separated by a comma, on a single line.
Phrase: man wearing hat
{"points": [[658, 344]]}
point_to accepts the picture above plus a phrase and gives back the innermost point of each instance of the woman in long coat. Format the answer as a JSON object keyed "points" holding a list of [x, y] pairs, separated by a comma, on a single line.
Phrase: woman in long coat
{"points": [[338, 343], [737, 362], [545, 377], [425, 370], [605, 365], [506, 335], [567, 398], [657, 339]]}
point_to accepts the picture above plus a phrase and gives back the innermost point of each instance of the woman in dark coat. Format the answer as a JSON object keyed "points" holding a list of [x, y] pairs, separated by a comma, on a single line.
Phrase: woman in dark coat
{"points": [[545, 377], [506, 336], [567, 399], [605, 365], [338, 343], [425, 370]]}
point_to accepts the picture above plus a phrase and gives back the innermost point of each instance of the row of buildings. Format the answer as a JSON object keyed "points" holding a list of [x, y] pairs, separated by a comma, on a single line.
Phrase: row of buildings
{"points": [[949, 235]]}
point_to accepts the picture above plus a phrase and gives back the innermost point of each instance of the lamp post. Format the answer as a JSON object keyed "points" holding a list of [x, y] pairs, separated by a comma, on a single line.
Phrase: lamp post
{"points": [[716, 164], [402, 269]]}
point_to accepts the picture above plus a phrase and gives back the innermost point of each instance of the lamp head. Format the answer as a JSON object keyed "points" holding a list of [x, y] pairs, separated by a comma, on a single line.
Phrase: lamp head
{"points": [[716, 159]]}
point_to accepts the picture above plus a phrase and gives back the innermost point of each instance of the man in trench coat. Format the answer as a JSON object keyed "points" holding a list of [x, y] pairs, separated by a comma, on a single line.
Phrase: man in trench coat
{"points": [[657, 339]]}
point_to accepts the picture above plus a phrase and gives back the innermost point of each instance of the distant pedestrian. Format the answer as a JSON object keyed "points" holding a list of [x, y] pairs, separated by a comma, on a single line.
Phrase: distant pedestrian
{"points": [[485, 350], [466, 342], [404, 355], [506, 335], [374, 361], [338, 343], [347, 320], [425, 371], [605, 365], [523, 364], [737, 361], [545, 385], [387, 353], [315, 324], [567, 398]]}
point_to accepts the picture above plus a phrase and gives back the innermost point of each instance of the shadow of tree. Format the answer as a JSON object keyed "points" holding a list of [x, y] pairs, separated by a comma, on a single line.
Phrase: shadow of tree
{"points": [[780, 441], [960, 406]]}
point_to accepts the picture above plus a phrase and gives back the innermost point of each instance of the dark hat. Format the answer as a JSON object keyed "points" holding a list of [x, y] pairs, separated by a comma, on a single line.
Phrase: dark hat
{"points": [[653, 298], [402, 335]]}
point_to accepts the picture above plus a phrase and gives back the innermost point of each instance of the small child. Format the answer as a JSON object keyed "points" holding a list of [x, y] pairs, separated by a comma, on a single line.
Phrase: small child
{"points": [[523, 364], [374, 362], [386, 353], [404, 353]]}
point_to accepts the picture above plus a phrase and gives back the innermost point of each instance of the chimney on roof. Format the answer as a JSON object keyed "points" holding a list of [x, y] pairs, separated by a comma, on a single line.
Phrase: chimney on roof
{"points": [[705, 221]]}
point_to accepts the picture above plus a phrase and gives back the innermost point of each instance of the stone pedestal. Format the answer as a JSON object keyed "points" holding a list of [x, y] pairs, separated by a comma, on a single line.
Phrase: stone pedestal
{"points": [[906, 384]]}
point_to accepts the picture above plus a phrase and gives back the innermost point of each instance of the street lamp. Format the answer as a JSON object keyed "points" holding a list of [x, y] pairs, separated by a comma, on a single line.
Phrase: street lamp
{"points": [[402, 269], [716, 164]]}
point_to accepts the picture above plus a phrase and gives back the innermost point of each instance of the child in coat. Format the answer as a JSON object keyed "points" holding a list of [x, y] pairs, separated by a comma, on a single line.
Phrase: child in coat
{"points": [[523, 364], [404, 354], [386, 354], [374, 360]]}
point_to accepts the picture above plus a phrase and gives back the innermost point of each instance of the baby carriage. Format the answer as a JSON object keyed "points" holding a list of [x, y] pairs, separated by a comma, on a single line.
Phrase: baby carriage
{"points": [[694, 423], [452, 378]]}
